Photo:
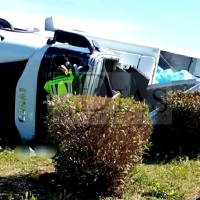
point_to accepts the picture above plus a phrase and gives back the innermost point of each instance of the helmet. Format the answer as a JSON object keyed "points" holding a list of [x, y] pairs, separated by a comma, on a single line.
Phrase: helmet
{"points": [[62, 69]]}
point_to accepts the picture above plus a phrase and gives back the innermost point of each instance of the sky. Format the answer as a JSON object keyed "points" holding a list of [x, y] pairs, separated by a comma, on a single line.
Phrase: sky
{"points": [[167, 23]]}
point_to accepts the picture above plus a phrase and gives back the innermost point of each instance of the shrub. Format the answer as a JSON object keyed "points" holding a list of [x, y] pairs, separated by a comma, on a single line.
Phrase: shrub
{"points": [[181, 135], [99, 140]]}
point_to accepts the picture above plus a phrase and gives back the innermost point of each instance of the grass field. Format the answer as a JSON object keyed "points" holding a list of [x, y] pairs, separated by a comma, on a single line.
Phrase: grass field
{"points": [[178, 180]]}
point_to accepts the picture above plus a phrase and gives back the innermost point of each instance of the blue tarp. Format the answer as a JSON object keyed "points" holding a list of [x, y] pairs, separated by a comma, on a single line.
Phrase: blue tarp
{"points": [[168, 75]]}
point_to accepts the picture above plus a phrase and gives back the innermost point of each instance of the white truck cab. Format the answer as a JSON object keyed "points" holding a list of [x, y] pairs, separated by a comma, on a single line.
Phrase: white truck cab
{"points": [[109, 67], [25, 65]]}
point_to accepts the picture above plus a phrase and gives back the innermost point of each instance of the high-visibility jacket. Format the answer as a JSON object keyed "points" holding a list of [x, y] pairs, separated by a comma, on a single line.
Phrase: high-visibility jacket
{"points": [[61, 85]]}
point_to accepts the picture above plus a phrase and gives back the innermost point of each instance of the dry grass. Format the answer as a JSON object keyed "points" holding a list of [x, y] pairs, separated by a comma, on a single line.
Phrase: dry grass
{"points": [[15, 175], [175, 180], [10, 165]]}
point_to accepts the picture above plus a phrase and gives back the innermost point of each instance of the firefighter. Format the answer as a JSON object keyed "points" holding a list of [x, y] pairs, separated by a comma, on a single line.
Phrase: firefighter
{"points": [[61, 81], [66, 79]]}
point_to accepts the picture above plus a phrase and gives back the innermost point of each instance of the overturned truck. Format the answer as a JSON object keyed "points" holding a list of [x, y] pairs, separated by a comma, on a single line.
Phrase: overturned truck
{"points": [[28, 58]]}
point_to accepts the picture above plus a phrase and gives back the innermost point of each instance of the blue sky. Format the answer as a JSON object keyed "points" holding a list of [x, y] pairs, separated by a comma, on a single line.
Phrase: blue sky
{"points": [[171, 23]]}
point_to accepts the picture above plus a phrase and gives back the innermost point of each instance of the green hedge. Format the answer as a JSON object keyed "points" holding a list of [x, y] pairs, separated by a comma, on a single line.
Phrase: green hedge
{"points": [[99, 141], [181, 133]]}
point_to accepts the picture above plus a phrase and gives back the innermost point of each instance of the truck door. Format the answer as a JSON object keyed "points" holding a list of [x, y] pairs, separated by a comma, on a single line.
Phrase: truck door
{"points": [[97, 78]]}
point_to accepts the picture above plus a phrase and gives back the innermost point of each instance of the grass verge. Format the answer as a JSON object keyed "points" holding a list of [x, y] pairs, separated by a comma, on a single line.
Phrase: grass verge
{"points": [[178, 180]]}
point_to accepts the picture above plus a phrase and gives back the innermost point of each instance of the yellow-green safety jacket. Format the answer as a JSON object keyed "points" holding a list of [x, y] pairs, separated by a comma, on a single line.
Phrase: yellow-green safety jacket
{"points": [[61, 85]]}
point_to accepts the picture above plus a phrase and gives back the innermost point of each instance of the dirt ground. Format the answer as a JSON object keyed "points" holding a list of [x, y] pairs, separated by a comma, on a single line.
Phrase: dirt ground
{"points": [[17, 186]]}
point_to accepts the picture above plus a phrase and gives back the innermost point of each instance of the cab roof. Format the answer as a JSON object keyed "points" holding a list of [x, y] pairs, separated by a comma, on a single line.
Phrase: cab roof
{"points": [[34, 39]]}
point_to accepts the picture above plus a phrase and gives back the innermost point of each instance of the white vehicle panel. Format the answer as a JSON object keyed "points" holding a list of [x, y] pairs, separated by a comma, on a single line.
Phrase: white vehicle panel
{"points": [[147, 65], [12, 51], [27, 88]]}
